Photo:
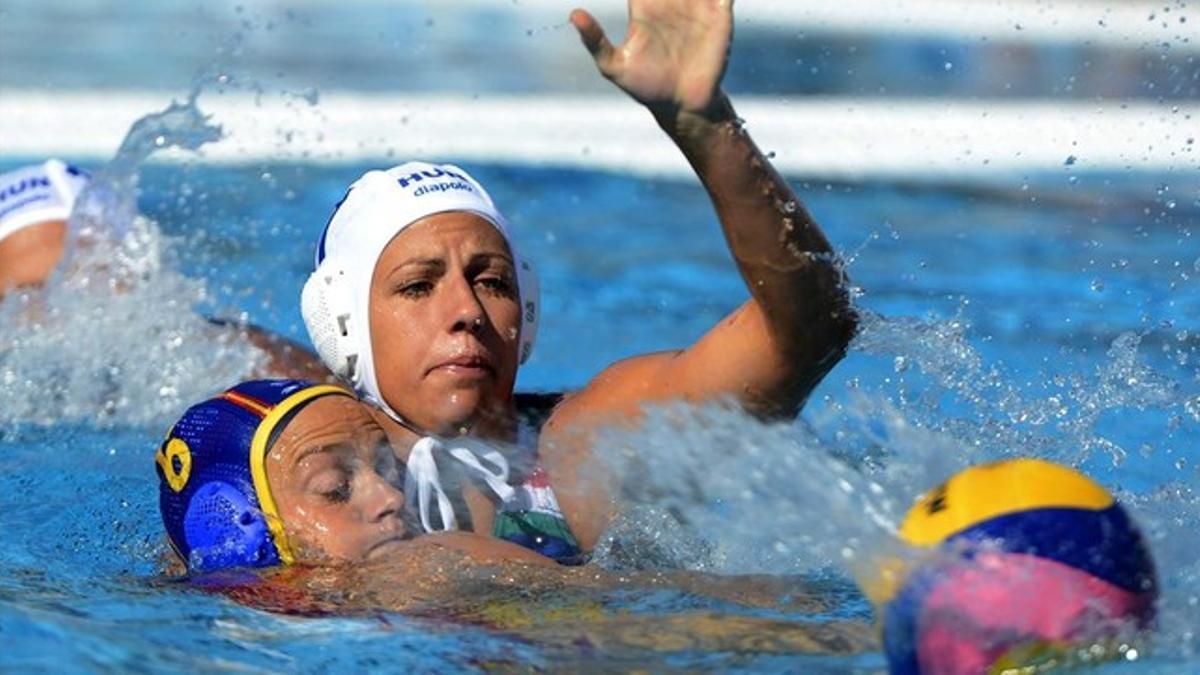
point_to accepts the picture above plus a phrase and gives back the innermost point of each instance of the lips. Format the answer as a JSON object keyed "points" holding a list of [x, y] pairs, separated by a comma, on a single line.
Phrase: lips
{"points": [[466, 365]]}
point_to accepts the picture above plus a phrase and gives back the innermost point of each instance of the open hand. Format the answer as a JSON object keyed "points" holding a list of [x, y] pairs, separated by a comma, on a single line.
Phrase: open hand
{"points": [[673, 56]]}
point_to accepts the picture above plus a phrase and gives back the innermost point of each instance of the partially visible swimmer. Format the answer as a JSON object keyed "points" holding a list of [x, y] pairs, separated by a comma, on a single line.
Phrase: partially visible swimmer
{"points": [[281, 494], [36, 202], [1027, 565]]}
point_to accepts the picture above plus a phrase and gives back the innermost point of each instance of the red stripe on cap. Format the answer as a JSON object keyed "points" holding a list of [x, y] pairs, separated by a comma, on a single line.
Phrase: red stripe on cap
{"points": [[248, 403]]}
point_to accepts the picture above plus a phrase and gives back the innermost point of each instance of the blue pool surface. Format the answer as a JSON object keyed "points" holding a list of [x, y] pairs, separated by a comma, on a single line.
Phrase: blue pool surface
{"points": [[1054, 314], [986, 305]]}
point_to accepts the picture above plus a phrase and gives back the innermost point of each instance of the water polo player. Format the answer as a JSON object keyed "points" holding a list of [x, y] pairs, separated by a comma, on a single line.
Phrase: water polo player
{"points": [[421, 301], [35, 206], [275, 472], [35, 203]]}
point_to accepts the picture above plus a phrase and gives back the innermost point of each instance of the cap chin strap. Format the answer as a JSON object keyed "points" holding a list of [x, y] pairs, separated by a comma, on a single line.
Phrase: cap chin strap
{"points": [[422, 479], [422, 484]]}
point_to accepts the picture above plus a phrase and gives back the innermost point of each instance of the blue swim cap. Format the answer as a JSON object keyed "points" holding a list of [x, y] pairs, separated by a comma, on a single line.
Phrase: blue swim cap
{"points": [[214, 497]]}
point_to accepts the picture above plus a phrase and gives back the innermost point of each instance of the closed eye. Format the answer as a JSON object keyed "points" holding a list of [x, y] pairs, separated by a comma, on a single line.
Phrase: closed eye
{"points": [[338, 495], [330, 473]]}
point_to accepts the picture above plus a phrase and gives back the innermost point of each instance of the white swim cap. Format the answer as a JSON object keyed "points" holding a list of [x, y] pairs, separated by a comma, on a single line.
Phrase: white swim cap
{"points": [[378, 206], [37, 194]]}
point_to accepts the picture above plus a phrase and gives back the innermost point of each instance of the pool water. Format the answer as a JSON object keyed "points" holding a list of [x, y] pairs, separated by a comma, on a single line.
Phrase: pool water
{"points": [[1057, 320], [1046, 313]]}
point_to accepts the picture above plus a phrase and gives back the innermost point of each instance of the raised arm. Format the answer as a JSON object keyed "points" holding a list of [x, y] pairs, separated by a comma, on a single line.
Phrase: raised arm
{"points": [[771, 352]]}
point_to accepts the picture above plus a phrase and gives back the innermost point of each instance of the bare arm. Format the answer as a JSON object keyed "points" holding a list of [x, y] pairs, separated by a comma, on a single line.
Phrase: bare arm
{"points": [[286, 358], [772, 351], [29, 255]]}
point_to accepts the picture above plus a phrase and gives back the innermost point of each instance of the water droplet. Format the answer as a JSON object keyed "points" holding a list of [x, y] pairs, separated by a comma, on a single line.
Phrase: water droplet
{"points": [[947, 66], [1097, 285], [160, 141], [1192, 406]]}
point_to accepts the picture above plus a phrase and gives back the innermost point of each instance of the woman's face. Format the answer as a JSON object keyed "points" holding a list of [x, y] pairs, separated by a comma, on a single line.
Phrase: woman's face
{"points": [[445, 319], [332, 476]]}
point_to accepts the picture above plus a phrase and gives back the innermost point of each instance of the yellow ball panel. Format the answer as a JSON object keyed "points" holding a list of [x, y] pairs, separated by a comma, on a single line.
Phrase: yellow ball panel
{"points": [[984, 492]]}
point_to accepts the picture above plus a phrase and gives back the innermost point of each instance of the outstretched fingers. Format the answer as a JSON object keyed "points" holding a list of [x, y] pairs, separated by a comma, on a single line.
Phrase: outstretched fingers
{"points": [[593, 38]]}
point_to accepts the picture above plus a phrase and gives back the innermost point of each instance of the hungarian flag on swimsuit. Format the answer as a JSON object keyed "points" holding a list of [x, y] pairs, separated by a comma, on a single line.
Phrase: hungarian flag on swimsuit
{"points": [[533, 519]]}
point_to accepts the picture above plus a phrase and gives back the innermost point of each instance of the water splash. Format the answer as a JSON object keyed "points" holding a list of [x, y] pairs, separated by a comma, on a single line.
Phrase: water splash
{"points": [[718, 490], [729, 494], [106, 215], [114, 337], [956, 392]]}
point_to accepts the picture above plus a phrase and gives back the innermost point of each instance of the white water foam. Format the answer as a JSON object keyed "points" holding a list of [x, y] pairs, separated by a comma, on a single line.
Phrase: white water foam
{"points": [[715, 489], [114, 338]]}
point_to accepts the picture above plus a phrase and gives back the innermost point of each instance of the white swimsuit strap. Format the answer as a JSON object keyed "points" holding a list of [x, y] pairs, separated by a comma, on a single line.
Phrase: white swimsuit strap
{"points": [[422, 482]]}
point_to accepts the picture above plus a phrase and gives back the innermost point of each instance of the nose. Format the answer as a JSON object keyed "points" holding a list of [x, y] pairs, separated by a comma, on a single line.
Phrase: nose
{"points": [[468, 313], [385, 501]]}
